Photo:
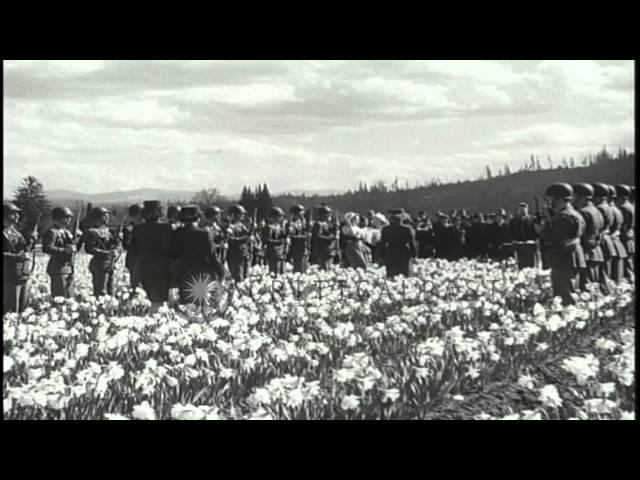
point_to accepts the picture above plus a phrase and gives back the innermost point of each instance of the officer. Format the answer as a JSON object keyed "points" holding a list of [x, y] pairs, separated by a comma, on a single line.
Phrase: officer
{"points": [[60, 243], [324, 238], [239, 254], [299, 234], [398, 245], [592, 237], [617, 265], [151, 242], [523, 233], [131, 260], [274, 239], [212, 222], [16, 265], [102, 244], [561, 230], [193, 246], [627, 228]]}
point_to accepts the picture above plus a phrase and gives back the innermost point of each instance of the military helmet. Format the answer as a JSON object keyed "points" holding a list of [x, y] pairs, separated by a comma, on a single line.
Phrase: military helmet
{"points": [[600, 190], [211, 212], [276, 212], [9, 208], [612, 191], [324, 209], [189, 213], [134, 210], [98, 212], [236, 210], [559, 190], [59, 213], [623, 190], [296, 209], [583, 190]]}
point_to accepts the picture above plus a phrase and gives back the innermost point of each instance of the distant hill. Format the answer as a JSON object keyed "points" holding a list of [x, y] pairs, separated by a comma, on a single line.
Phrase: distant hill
{"points": [[309, 193], [479, 195], [68, 197]]}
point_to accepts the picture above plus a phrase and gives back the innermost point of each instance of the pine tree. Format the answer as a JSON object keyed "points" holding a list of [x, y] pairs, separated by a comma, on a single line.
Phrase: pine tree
{"points": [[538, 166], [488, 172], [29, 198], [264, 201], [550, 162], [572, 163], [533, 163]]}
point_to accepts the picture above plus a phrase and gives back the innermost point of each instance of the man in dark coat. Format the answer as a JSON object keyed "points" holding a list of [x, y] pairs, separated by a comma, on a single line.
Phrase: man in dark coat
{"points": [[324, 238], [627, 228], [151, 242], [131, 260], [102, 245], [194, 247], [60, 243], [562, 233], [16, 264], [440, 239], [398, 245], [525, 237], [592, 236], [477, 237], [424, 236]]}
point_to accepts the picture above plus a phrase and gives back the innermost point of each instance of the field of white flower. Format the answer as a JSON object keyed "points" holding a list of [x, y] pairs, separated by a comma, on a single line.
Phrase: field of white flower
{"points": [[458, 340]]}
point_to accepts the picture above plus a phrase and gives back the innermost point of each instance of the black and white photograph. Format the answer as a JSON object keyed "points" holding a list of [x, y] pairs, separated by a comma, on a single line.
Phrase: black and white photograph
{"points": [[319, 240]]}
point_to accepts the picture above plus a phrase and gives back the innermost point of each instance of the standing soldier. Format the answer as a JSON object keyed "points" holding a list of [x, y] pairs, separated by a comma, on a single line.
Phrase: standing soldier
{"points": [[324, 236], [239, 255], [60, 244], [274, 238], [617, 265], [627, 228], [102, 244], [16, 265], [299, 233], [607, 245], [477, 236], [131, 260], [193, 246], [212, 216], [592, 237], [151, 243], [525, 237], [398, 245], [561, 230]]}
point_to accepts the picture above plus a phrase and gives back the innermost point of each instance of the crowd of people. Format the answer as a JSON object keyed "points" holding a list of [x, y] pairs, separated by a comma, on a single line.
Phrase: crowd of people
{"points": [[584, 234]]}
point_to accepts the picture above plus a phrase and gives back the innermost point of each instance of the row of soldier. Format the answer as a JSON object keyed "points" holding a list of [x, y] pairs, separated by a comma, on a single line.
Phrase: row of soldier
{"points": [[166, 254]]}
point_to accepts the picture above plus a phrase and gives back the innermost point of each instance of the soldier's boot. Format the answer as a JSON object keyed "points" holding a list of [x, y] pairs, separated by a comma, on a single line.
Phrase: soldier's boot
{"points": [[563, 283], [617, 269]]}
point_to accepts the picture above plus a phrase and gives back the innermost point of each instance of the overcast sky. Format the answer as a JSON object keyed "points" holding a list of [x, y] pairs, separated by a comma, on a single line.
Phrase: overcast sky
{"points": [[99, 126]]}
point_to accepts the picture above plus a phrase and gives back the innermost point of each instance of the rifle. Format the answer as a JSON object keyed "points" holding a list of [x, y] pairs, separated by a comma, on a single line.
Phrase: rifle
{"points": [[34, 234]]}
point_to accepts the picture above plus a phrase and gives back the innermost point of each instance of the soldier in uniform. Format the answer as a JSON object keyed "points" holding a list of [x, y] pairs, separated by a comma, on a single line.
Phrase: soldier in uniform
{"points": [[131, 260], [102, 245], [151, 242], [274, 239], [522, 231], [617, 264], [477, 236], [323, 237], [299, 233], [562, 230], [16, 265], [627, 228], [60, 244], [212, 216], [193, 246], [607, 245], [239, 254], [592, 237], [398, 245]]}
